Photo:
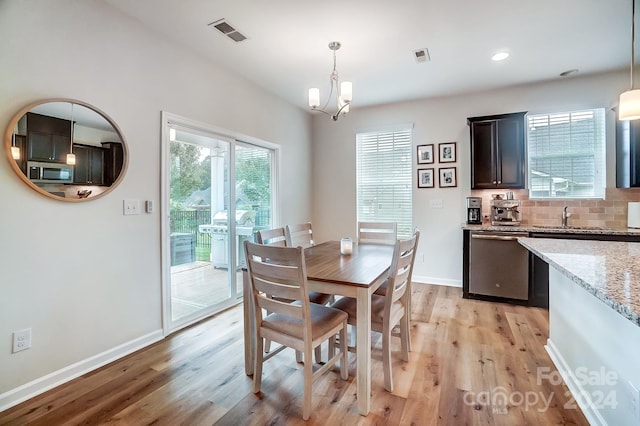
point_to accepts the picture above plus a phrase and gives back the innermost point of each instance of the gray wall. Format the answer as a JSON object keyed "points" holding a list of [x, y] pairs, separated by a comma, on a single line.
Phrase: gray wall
{"points": [[435, 121], [84, 277]]}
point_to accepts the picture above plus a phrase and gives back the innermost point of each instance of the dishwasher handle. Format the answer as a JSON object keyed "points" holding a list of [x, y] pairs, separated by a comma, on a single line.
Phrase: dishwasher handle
{"points": [[498, 237]]}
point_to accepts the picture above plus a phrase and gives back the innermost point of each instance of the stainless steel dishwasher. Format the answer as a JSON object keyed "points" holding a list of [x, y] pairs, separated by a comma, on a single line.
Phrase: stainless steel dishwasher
{"points": [[499, 265]]}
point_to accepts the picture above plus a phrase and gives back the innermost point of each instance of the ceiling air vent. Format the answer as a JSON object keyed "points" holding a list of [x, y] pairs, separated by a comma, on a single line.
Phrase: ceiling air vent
{"points": [[422, 55], [225, 28]]}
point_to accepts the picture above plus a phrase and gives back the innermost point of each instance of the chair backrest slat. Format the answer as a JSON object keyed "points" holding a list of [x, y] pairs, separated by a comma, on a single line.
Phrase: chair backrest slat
{"points": [[280, 307], [282, 288], [272, 237], [377, 232], [300, 235]]}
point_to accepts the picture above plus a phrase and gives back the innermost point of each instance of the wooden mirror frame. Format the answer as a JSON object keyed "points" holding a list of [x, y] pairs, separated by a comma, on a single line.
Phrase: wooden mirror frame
{"points": [[9, 138]]}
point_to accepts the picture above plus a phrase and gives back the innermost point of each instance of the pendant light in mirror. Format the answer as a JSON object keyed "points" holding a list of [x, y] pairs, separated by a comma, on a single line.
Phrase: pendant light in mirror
{"points": [[15, 151], [71, 157]]}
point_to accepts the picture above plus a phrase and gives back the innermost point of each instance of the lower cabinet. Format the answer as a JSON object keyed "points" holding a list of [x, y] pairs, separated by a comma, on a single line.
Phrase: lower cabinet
{"points": [[89, 169]]}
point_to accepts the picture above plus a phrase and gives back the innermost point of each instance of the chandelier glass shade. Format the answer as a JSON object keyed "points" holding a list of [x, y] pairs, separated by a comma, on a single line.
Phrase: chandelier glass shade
{"points": [[343, 96]]}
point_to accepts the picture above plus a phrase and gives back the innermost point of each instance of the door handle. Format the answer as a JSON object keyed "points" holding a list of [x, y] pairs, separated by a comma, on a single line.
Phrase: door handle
{"points": [[497, 237]]}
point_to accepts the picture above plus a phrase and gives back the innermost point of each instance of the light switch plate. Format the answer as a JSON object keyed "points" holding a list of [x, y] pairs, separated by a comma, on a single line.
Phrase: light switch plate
{"points": [[436, 203], [131, 206]]}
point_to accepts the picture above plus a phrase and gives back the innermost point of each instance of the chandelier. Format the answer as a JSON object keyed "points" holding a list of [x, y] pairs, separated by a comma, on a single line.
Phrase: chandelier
{"points": [[629, 105], [343, 97]]}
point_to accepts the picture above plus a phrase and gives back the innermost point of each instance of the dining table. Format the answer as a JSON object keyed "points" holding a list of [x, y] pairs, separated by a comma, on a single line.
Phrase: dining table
{"points": [[355, 275]]}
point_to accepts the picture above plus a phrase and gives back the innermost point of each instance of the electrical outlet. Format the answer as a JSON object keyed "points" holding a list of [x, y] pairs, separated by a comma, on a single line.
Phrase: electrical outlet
{"points": [[149, 206], [131, 207], [635, 400], [21, 340]]}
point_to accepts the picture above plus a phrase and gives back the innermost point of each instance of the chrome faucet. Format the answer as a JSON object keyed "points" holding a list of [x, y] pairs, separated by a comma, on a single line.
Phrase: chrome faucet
{"points": [[565, 216]]}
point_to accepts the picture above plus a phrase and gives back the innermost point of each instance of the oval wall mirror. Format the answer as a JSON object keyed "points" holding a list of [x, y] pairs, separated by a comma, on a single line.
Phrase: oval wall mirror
{"points": [[66, 149]]}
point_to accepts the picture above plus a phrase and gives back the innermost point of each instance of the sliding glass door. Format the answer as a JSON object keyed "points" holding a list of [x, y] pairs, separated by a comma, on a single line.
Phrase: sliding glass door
{"points": [[219, 192]]}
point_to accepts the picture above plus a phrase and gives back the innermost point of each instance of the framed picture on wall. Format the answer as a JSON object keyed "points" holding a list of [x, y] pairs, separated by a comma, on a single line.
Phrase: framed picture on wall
{"points": [[425, 154], [448, 177], [447, 152], [425, 178]]}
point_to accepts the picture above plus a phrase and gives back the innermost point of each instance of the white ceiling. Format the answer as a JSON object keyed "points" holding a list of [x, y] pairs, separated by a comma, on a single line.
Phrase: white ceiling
{"points": [[287, 47]]}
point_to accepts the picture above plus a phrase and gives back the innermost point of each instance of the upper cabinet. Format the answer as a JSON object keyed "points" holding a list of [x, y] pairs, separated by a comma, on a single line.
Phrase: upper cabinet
{"points": [[48, 138], [627, 153], [497, 151]]}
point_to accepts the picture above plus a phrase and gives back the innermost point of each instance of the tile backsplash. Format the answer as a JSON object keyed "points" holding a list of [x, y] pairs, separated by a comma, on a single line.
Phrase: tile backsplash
{"points": [[610, 212]]}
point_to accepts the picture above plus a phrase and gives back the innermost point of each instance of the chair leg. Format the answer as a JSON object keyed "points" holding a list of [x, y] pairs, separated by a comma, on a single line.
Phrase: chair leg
{"points": [[405, 336], [386, 358], [267, 342], [318, 354], [344, 362], [257, 369], [353, 336], [332, 346], [308, 381]]}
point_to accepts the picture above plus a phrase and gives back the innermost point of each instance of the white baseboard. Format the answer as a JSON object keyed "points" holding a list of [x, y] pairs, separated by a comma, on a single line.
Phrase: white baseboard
{"points": [[584, 402], [438, 281], [50, 381]]}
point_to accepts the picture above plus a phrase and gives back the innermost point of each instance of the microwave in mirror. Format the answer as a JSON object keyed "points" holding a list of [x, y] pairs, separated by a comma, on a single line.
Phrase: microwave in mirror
{"points": [[49, 172]]}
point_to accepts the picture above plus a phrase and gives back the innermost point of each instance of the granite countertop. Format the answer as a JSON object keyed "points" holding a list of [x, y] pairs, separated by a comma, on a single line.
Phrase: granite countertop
{"points": [[593, 230], [610, 270]]}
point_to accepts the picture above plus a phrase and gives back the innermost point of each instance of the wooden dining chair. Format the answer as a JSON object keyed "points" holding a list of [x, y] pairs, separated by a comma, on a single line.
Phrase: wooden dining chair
{"points": [[377, 233], [392, 309], [272, 237], [299, 235], [276, 237], [303, 326]]}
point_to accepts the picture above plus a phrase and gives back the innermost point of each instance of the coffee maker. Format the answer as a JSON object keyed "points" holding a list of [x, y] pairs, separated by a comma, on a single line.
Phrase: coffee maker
{"points": [[474, 210], [505, 212]]}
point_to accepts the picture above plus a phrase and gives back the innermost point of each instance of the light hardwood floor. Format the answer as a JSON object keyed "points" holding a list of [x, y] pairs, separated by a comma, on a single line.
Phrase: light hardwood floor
{"points": [[472, 363]]}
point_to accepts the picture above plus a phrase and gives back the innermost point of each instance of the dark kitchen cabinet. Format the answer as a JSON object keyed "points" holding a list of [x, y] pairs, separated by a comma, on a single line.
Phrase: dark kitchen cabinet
{"points": [[45, 147], [48, 138], [113, 162], [497, 151], [89, 169], [627, 153]]}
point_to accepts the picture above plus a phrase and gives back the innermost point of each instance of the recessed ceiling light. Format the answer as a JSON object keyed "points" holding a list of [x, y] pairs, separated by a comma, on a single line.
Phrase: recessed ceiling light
{"points": [[500, 56]]}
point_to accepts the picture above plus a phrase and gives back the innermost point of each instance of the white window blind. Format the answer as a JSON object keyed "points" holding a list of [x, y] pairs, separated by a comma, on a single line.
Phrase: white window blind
{"points": [[567, 154], [383, 163]]}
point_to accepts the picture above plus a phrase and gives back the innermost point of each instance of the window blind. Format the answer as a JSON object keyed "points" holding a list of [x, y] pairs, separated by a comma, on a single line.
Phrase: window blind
{"points": [[566, 153], [383, 174]]}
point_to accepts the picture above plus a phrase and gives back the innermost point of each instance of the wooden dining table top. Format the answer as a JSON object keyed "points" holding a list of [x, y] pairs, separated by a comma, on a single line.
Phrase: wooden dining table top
{"points": [[362, 268]]}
